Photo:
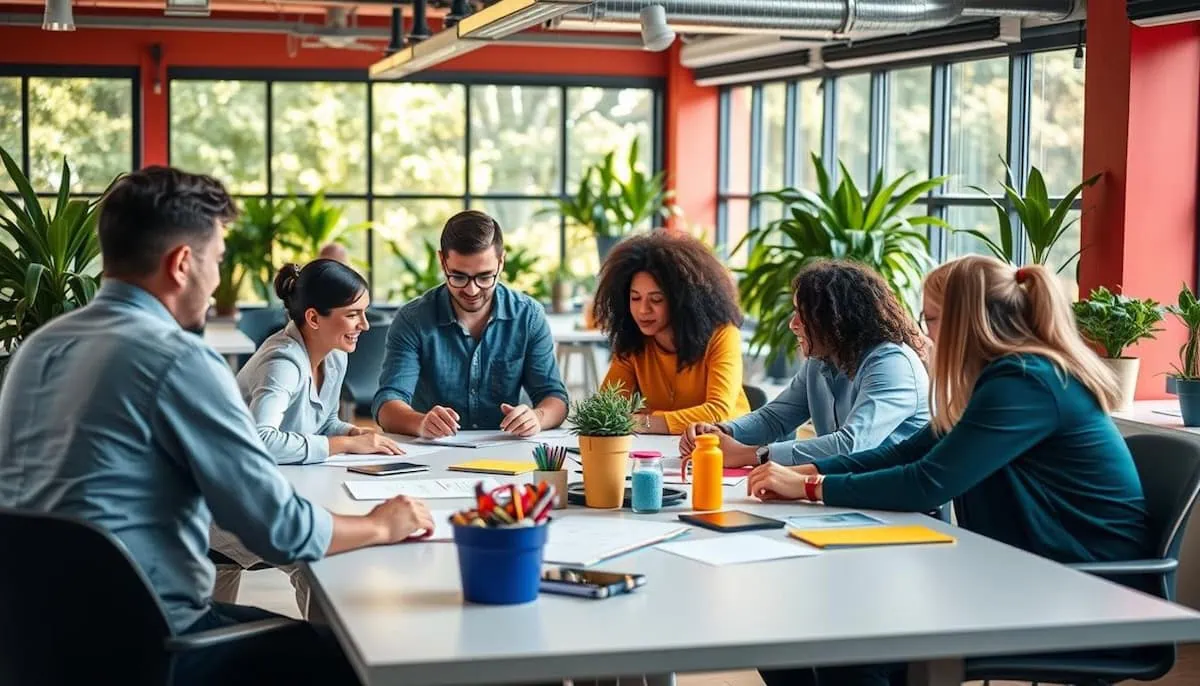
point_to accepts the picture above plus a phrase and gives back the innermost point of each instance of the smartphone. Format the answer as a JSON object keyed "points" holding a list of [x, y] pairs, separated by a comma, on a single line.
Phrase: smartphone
{"points": [[588, 583], [730, 521], [389, 468]]}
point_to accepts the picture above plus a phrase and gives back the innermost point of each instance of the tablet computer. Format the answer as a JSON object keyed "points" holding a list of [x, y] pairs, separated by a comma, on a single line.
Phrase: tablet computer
{"points": [[389, 468], [730, 520]]}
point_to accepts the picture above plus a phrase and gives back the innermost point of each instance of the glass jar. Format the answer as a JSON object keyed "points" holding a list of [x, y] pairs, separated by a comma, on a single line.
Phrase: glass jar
{"points": [[647, 482]]}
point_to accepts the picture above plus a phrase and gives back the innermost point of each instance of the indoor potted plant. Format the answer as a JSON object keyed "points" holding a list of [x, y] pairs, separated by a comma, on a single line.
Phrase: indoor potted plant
{"points": [[249, 242], [605, 426], [1187, 373], [1115, 322]]}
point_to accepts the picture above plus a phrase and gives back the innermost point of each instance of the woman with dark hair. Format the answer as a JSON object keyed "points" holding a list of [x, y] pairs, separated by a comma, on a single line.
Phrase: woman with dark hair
{"points": [[293, 384], [672, 317], [862, 382]]}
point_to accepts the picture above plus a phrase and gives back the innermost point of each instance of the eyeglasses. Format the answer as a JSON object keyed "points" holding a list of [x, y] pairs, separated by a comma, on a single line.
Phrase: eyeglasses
{"points": [[483, 281]]}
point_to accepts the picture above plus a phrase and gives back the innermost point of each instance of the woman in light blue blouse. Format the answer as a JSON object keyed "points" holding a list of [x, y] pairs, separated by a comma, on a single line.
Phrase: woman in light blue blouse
{"points": [[293, 384]]}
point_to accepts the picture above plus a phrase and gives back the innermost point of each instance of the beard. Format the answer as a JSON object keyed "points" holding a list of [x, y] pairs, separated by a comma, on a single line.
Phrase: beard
{"points": [[481, 301]]}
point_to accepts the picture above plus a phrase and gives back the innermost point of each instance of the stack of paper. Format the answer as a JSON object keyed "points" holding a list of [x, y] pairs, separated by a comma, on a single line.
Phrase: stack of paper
{"points": [[584, 541], [737, 549], [415, 488]]}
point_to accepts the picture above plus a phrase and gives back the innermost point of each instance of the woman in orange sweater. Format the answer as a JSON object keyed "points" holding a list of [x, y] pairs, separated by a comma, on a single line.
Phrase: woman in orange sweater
{"points": [[671, 313]]}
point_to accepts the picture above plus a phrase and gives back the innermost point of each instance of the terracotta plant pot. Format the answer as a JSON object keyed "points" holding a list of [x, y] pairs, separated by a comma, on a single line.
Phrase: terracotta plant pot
{"points": [[1126, 371], [605, 462]]}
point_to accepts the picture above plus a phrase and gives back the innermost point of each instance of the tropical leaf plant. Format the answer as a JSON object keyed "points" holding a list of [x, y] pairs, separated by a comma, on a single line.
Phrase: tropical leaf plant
{"points": [[48, 256], [1115, 322], [313, 223], [416, 277], [833, 223], [1044, 223], [249, 245], [521, 272], [1187, 311]]}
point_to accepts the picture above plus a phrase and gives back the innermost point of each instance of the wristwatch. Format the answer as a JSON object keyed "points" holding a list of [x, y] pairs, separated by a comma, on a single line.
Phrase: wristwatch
{"points": [[763, 453]]}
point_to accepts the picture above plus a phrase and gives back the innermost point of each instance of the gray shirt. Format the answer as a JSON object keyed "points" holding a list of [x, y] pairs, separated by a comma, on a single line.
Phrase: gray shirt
{"points": [[115, 414], [292, 415]]}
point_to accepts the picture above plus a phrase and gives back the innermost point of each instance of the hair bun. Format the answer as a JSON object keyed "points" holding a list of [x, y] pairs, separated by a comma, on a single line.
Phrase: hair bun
{"points": [[285, 281]]}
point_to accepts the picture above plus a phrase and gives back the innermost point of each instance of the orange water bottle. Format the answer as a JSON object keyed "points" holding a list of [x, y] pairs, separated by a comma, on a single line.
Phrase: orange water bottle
{"points": [[708, 466]]}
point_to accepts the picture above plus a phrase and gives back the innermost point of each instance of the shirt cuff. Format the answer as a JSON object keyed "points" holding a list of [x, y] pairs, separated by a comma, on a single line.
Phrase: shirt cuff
{"points": [[318, 449], [384, 397], [322, 534], [784, 453]]}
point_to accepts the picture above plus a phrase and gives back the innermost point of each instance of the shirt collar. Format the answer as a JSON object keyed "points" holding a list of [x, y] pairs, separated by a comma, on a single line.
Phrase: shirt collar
{"points": [[117, 291], [504, 305]]}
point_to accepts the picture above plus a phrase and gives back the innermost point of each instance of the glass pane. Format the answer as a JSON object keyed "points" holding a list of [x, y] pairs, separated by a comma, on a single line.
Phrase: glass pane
{"points": [[515, 138], [537, 237], [319, 137], [908, 123], [739, 140], [980, 218], [89, 121], [10, 119], [854, 126], [420, 138], [220, 128], [356, 241], [738, 223], [1066, 247], [603, 119], [810, 121], [1056, 120], [405, 226], [978, 124], [774, 112]]}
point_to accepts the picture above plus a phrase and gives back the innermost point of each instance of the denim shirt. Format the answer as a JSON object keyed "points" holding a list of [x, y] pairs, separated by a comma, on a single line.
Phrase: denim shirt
{"points": [[433, 360], [886, 402], [116, 415]]}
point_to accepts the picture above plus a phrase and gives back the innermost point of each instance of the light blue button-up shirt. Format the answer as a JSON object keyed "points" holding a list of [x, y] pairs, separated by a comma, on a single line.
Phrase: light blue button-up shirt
{"points": [[115, 414], [293, 416], [886, 402], [433, 360]]}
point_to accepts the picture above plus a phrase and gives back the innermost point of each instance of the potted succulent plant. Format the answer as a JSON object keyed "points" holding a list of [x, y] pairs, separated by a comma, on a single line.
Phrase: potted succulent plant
{"points": [[1187, 374], [605, 426], [1114, 322]]}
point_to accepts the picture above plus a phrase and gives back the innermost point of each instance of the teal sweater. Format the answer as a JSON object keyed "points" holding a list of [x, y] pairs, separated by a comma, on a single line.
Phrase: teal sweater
{"points": [[1034, 462]]}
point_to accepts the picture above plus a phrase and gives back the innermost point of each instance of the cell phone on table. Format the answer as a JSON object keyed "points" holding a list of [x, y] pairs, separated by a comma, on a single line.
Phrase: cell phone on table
{"points": [[588, 583], [389, 468], [730, 521]]}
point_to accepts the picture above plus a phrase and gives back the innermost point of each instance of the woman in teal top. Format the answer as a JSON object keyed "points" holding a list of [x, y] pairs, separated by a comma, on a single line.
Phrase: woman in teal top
{"points": [[1021, 438]]}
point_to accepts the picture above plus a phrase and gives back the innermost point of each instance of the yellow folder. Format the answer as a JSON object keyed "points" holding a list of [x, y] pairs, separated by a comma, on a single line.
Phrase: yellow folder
{"points": [[870, 535], [504, 467]]}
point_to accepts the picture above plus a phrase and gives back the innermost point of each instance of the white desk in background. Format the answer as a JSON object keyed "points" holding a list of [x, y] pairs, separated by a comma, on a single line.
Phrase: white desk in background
{"points": [[571, 341], [229, 341], [399, 615]]}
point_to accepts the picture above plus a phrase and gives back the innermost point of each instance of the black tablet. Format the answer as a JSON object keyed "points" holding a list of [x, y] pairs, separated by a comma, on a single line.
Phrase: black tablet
{"points": [[730, 520]]}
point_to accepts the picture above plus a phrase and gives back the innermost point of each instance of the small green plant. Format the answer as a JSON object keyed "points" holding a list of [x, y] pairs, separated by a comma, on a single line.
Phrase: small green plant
{"points": [[312, 224], [520, 272], [1044, 225], [1115, 322], [1188, 312], [249, 245], [607, 413], [416, 278], [48, 260]]}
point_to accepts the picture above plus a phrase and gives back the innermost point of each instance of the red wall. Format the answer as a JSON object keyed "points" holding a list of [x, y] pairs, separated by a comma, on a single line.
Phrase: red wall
{"points": [[1142, 130]]}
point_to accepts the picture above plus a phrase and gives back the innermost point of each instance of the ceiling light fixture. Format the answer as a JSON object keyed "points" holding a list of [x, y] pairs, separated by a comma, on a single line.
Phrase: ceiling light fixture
{"points": [[952, 40], [656, 33], [58, 16], [512, 16]]}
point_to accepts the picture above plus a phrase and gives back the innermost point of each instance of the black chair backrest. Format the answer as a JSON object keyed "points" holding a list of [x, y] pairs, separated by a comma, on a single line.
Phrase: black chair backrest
{"points": [[756, 396], [72, 603], [362, 368], [1169, 467], [261, 323]]}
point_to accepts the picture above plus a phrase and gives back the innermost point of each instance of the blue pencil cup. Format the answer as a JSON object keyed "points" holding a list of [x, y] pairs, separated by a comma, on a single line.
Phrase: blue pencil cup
{"points": [[500, 566]]}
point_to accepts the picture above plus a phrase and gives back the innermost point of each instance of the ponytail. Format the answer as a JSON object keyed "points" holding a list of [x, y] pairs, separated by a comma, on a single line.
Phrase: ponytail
{"points": [[285, 282]]}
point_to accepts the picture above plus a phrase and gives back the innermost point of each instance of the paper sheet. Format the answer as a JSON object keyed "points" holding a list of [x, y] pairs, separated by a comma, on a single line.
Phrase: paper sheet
{"points": [[443, 529], [733, 549], [474, 439], [840, 520], [583, 541], [411, 450], [382, 489], [674, 477]]}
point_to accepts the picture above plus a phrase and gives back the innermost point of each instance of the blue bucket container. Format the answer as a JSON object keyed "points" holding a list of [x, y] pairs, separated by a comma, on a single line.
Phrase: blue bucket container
{"points": [[500, 566]]}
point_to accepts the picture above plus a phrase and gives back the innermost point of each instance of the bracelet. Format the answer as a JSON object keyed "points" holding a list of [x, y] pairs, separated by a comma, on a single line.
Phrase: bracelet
{"points": [[810, 486]]}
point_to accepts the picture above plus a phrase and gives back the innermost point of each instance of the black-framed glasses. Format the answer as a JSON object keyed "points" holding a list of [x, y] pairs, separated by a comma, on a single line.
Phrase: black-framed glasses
{"points": [[483, 281]]}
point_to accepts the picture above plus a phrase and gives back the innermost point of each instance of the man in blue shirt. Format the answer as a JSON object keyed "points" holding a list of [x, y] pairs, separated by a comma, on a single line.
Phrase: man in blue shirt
{"points": [[458, 356], [117, 414]]}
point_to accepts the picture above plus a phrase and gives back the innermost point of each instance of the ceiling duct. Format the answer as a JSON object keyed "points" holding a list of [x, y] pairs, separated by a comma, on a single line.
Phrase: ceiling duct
{"points": [[187, 8], [1162, 12], [949, 40]]}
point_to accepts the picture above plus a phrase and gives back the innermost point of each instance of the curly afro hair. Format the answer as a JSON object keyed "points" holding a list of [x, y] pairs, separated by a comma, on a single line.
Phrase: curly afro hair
{"points": [[848, 309], [701, 296]]}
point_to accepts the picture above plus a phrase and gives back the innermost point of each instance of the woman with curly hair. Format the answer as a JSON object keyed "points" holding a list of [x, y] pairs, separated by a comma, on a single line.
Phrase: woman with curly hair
{"points": [[671, 312], [862, 383]]}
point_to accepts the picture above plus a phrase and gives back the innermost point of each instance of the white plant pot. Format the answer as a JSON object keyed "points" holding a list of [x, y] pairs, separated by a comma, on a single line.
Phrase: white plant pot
{"points": [[1126, 371]]}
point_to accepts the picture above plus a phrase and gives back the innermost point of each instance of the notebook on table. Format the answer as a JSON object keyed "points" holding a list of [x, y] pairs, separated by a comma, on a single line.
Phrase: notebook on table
{"points": [[856, 537], [503, 467]]}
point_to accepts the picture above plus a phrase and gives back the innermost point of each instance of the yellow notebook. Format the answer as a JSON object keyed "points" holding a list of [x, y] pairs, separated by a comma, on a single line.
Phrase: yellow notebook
{"points": [[504, 467], [870, 535]]}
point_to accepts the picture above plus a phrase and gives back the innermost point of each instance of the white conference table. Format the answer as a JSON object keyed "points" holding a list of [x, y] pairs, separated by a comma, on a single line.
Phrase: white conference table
{"points": [[399, 615], [228, 340]]}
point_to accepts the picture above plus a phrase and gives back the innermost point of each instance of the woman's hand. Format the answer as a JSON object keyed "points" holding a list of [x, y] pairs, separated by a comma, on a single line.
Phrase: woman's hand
{"points": [[773, 481], [364, 443], [359, 431]]}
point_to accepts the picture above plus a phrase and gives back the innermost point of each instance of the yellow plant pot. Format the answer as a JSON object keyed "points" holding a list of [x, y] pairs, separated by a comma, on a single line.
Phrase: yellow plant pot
{"points": [[605, 462]]}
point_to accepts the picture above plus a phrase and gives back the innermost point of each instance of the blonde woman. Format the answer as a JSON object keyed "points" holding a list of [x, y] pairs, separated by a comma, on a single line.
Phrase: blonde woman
{"points": [[1020, 439]]}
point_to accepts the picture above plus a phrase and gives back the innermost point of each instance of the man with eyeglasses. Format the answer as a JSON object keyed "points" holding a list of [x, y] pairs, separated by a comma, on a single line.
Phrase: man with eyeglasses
{"points": [[459, 356]]}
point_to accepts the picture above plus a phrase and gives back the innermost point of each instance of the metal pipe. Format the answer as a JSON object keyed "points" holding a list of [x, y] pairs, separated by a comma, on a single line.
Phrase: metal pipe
{"points": [[420, 27], [396, 42], [1038, 9]]}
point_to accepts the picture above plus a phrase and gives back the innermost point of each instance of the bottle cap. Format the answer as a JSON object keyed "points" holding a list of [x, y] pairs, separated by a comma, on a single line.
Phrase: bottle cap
{"points": [[708, 440], [645, 455]]}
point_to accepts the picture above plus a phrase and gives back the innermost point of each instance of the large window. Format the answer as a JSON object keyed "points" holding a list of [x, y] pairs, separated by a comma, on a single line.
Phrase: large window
{"points": [[86, 119], [965, 112], [403, 157]]}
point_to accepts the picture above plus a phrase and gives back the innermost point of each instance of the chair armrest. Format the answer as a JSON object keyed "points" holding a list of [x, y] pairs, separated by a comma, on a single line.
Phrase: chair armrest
{"points": [[213, 637], [1127, 567]]}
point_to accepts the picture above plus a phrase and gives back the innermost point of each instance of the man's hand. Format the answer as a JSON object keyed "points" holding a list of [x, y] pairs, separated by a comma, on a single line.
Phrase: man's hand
{"points": [[520, 420], [687, 442], [400, 518], [439, 422]]}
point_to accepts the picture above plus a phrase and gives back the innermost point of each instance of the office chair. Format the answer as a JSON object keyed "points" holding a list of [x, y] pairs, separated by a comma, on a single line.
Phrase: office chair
{"points": [[73, 603], [1169, 467], [756, 396], [260, 323], [362, 369]]}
